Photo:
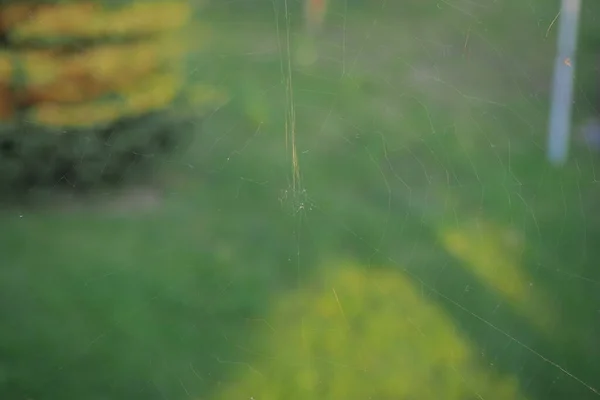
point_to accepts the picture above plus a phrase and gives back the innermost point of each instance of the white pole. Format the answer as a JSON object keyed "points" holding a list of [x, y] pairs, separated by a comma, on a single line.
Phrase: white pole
{"points": [[562, 89]]}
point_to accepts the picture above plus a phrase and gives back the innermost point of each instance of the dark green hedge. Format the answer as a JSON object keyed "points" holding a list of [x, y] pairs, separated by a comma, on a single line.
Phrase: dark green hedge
{"points": [[33, 155]]}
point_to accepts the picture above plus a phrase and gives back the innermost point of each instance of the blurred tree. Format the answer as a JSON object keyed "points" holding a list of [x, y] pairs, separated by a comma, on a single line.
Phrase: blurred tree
{"points": [[87, 88]]}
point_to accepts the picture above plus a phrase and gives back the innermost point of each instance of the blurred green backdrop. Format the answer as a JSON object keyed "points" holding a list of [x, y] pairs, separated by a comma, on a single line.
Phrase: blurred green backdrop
{"points": [[380, 223]]}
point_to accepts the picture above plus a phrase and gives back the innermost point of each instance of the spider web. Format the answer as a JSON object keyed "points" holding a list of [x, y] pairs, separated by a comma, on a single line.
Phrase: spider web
{"points": [[496, 86], [370, 216]]}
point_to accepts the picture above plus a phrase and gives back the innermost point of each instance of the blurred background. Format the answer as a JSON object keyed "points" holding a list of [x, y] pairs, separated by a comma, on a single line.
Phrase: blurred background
{"points": [[289, 199]]}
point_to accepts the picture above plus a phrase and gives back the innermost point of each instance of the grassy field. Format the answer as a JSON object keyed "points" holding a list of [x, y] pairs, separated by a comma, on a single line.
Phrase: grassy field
{"points": [[421, 247]]}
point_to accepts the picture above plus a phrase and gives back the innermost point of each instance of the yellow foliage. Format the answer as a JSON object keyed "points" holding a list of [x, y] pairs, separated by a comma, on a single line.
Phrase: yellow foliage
{"points": [[103, 63], [365, 333], [102, 82], [87, 19], [91, 73], [493, 256], [7, 66], [148, 95]]}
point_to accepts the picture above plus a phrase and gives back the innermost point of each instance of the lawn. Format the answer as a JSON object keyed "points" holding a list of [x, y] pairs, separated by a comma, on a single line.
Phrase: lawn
{"points": [[420, 247]]}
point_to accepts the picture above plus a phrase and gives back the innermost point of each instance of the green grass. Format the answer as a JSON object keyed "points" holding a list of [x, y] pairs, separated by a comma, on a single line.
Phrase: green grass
{"points": [[428, 251]]}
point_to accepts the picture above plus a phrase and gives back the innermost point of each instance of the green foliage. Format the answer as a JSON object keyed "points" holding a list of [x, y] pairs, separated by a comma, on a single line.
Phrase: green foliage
{"points": [[35, 155]]}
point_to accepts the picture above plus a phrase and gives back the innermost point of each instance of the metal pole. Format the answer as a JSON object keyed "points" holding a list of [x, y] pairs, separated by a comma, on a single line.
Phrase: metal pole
{"points": [[562, 89]]}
